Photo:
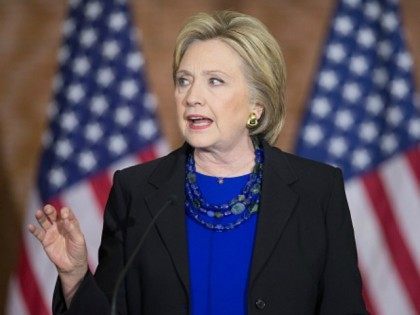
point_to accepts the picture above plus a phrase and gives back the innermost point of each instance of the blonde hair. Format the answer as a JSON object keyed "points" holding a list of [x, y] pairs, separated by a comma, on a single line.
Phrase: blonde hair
{"points": [[261, 55]]}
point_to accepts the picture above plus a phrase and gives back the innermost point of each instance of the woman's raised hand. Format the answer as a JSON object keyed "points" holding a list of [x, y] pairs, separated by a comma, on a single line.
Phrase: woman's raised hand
{"points": [[63, 241]]}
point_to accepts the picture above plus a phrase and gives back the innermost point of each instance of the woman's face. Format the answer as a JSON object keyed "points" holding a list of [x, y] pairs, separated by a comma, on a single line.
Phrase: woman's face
{"points": [[212, 96]]}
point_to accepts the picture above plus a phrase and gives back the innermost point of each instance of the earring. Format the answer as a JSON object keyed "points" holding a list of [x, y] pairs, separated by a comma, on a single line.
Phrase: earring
{"points": [[252, 121]]}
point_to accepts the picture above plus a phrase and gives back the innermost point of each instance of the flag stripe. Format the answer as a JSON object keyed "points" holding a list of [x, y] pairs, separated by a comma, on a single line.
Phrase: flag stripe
{"points": [[100, 185], [379, 277], [396, 173], [29, 286], [413, 157], [121, 164], [147, 154], [370, 306], [398, 250], [16, 303]]}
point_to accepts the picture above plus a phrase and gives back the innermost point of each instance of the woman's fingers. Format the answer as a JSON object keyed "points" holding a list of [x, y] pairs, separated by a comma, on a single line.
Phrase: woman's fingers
{"points": [[37, 232], [46, 217], [67, 223], [66, 213], [42, 219], [71, 224], [51, 213]]}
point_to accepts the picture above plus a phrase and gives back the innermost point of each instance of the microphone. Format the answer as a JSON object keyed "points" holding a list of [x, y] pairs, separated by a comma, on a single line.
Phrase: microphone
{"points": [[171, 199]]}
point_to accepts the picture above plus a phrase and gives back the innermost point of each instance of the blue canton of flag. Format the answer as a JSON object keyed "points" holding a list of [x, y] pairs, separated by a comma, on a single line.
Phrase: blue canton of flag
{"points": [[102, 110], [362, 110], [362, 117]]}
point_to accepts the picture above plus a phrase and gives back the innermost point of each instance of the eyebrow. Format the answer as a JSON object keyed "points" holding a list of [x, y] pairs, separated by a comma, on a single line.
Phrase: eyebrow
{"points": [[183, 72], [206, 72]]}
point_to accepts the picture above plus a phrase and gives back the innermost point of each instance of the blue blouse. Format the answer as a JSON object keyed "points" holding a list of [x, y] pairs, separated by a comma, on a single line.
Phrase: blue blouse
{"points": [[219, 262]]}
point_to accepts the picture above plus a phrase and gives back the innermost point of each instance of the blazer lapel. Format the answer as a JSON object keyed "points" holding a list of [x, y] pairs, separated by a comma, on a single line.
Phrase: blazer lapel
{"points": [[277, 204], [169, 178]]}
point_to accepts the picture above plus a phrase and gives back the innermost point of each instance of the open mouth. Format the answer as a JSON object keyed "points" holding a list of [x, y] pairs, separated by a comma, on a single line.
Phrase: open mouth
{"points": [[198, 122]]}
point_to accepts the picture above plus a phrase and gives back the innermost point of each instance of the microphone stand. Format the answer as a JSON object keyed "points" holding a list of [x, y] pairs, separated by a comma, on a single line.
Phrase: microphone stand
{"points": [[172, 199]]}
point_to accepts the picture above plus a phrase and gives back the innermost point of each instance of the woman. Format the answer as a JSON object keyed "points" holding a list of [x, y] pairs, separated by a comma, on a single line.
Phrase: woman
{"points": [[253, 228]]}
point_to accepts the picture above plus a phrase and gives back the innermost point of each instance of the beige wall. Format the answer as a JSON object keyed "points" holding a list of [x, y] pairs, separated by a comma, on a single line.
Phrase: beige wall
{"points": [[29, 39]]}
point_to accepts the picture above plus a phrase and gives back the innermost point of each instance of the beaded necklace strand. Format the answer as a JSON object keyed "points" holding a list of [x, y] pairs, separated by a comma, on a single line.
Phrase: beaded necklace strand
{"points": [[230, 214]]}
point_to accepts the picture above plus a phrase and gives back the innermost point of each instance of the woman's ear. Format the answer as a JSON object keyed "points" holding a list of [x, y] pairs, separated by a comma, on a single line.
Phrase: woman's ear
{"points": [[258, 109]]}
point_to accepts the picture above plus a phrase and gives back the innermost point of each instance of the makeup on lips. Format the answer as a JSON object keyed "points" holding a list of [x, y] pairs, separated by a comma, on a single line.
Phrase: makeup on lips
{"points": [[198, 122]]}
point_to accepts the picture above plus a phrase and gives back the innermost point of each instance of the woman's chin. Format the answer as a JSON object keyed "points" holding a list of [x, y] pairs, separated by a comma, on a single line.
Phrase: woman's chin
{"points": [[199, 141], [199, 144]]}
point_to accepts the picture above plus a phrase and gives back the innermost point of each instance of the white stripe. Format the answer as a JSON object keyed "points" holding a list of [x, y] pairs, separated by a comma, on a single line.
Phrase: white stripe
{"points": [[82, 202], [380, 277], [43, 269], [404, 196], [121, 164], [160, 147], [15, 302]]}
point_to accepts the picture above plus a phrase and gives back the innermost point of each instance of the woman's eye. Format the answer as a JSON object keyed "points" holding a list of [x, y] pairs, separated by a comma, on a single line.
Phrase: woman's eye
{"points": [[216, 81], [182, 81]]}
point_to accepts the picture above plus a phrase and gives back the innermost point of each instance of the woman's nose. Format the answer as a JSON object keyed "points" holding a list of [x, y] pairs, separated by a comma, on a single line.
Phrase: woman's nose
{"points": [[194, 95]]}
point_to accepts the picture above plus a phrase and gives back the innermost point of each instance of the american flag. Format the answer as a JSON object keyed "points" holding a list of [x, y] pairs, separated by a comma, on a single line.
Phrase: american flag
{"points": [[363, 117], [102, 118]]}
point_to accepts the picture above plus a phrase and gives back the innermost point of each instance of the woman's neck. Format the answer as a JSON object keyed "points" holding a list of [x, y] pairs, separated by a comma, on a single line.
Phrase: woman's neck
{"points": [[234, 161]]}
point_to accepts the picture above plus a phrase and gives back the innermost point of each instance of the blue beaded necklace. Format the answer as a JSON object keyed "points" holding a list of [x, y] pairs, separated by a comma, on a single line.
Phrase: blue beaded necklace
{"points": [[228, 215]]}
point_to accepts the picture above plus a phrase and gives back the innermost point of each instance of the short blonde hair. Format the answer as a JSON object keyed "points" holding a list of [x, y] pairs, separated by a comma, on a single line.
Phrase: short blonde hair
{"points": [[263, 60]]}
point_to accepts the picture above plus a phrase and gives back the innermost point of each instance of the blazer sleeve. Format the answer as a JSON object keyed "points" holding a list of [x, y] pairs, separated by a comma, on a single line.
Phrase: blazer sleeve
{"points": [[95, 292], [341, 282]]}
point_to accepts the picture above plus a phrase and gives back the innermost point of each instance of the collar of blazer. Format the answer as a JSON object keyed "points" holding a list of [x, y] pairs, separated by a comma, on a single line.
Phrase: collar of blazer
{"points": [[277, 204]]}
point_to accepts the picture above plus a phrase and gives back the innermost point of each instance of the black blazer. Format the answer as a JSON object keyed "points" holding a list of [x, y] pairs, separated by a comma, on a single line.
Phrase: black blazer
{"points": [[304, 258]]}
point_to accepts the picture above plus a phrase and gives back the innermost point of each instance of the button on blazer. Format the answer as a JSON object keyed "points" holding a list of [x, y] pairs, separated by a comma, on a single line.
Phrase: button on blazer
{"points": [[304, 257]]}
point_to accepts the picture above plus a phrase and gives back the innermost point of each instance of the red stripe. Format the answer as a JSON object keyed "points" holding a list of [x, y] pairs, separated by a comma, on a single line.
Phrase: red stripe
{"points": [[368, 302], [101, 183], [413, 158], [398, 250], [147, 154], [28, 285], [101, 186], [370, 306]]}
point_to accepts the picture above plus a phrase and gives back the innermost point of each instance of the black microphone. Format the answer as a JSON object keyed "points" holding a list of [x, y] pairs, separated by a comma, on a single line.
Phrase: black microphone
{"points": [[172, 199]]}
